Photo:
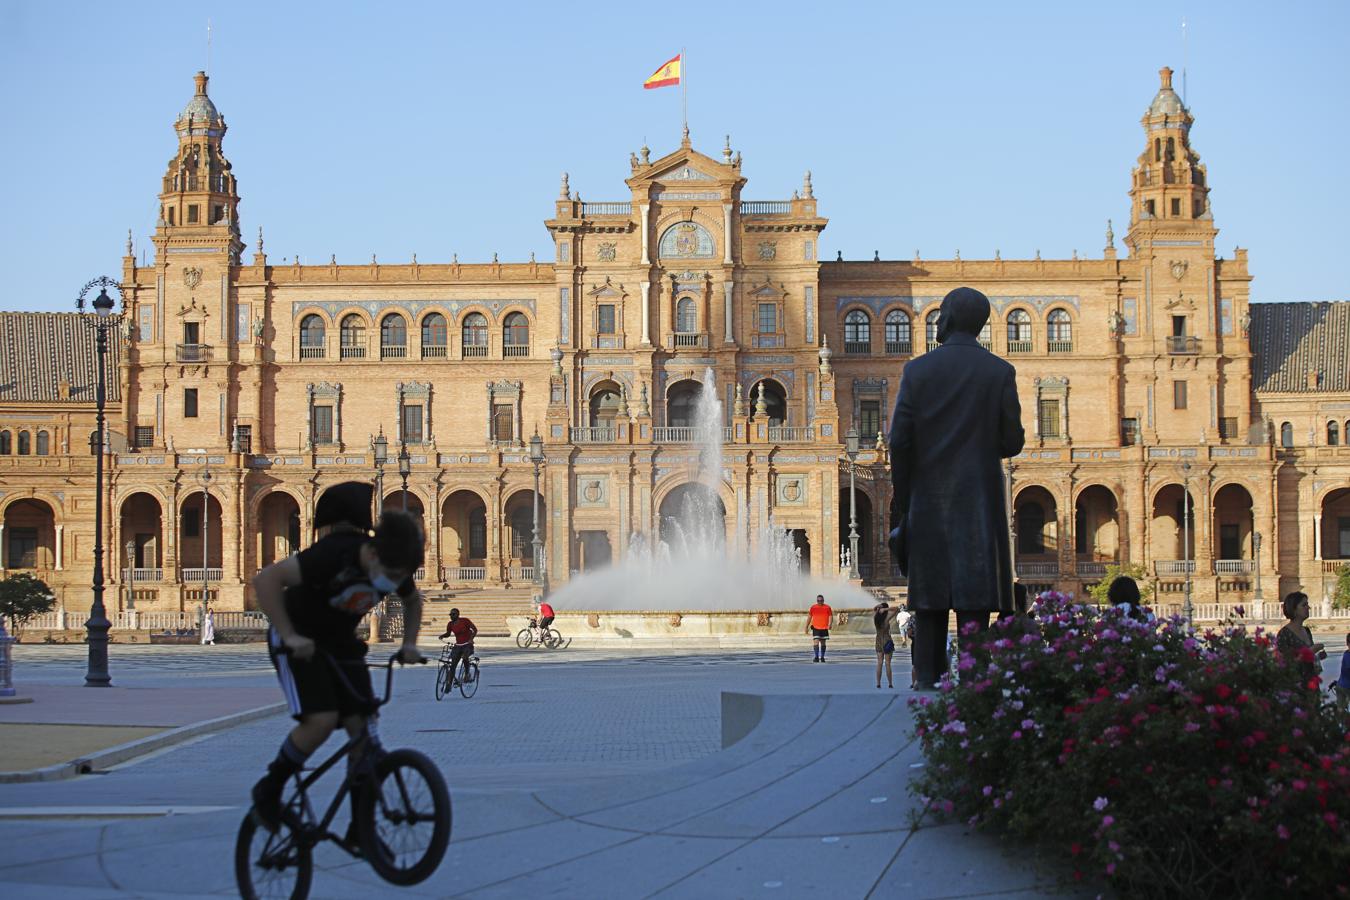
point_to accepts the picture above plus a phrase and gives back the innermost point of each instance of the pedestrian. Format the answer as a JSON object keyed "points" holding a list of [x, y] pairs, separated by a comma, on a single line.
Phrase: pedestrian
{"points": [[956, 417], [883, 617], [1343, 682], [818, 626], [1124, 595], [1294, 636], [209, 626]]}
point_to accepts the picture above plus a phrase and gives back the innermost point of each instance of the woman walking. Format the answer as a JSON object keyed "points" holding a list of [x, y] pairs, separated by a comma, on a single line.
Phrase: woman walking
{"points": [[209, 626], [882, 619], [1295, 637]]}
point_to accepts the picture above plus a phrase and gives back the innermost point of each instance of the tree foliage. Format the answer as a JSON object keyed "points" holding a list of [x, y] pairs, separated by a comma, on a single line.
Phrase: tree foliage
{"points": [[1113, 571], [23, 596]]}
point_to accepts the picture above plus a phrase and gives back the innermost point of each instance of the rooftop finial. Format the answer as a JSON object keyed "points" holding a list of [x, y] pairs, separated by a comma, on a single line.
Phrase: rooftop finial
{"points": [[1165, 73], [130, 251], [726, 150], [260, 239], [200, 79], [564, 191], [806, 186], [1110, 235], [684, 141]]}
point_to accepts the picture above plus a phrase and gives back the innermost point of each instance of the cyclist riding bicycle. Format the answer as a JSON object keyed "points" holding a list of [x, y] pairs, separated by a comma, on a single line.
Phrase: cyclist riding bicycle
{"points": [[314, 601], [463, 629], [545, 618]]}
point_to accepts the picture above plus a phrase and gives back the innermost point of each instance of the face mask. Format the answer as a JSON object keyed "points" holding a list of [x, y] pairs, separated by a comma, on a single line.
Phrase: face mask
{"points": [[383, 584]]}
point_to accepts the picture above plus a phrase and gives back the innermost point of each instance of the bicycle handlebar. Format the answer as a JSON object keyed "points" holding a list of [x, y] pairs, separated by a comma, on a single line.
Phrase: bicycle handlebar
{"points": [[387, 665]]}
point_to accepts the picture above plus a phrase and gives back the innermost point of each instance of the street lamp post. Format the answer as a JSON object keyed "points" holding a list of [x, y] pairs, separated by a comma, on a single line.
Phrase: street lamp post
{"points": [[204, 479], [96, 627], [131, 575], [537, 457], [851, 448], [380, 448], [1186, 538], [404, 470]]}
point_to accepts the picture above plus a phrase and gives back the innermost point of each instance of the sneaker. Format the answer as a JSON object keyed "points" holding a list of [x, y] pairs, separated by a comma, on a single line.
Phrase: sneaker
{"points": [[266, 796]]}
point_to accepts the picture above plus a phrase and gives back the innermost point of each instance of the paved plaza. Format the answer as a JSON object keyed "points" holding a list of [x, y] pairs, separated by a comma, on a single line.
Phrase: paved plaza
{"points": [[573, 774]]}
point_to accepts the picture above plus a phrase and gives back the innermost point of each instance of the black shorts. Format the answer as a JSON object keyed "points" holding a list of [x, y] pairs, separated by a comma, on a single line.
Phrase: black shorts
{"points": [[315, 686], [546, 621], [820, 634], [458, 652]]}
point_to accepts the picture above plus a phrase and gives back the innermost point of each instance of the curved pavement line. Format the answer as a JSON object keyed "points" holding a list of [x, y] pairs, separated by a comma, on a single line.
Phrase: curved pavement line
{"points": [[638, 835]]}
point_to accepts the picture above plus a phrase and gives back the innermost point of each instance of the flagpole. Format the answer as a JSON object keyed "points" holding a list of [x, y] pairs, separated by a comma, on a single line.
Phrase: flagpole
{"points": [[684, 90]]}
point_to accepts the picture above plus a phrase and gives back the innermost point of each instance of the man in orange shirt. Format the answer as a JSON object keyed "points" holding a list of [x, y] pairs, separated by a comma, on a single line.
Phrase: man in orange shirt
{"points": [[818, 624]]}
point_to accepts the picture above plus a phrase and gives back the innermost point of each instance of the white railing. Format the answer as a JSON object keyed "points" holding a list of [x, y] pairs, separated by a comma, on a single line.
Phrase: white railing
{"points": [[352, 351], [689, 340], [594, 434], [933, 345], [685, 434], [1019, 346], [1173, 566], [434, 351], [607, 209], [766, 207], [203, 574], [1334, 566], [1092, 569], [311, 352], [420, 574], [135, 575], [1037, 569], [472, 351], [520, 573], [788, 434], [393, 351], [1060, 346], [463, 573], [515, 351], [1234, 566]]}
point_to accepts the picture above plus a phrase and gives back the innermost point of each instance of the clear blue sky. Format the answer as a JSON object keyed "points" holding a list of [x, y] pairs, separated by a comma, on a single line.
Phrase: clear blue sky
{"points": [[437, 127]]}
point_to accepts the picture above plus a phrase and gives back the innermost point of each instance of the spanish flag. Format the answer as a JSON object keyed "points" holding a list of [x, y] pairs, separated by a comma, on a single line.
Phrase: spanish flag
{"points": [[665, 76]]}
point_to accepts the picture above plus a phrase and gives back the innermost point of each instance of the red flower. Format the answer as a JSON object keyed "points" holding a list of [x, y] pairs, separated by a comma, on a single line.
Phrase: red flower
{"points": [[1305, 655], [1075, 848], [1223, 691]]}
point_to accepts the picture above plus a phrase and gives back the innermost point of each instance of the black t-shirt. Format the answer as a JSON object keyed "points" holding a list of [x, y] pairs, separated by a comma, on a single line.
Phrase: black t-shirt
{"points": [[335, 593]]}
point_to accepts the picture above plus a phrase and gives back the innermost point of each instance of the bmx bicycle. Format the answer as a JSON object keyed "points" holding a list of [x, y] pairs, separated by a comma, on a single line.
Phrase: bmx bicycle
{"points": [[403, 819]]}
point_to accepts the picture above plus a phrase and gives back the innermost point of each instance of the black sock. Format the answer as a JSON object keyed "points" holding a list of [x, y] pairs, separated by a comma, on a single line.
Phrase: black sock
{"points": [[290, 759]]}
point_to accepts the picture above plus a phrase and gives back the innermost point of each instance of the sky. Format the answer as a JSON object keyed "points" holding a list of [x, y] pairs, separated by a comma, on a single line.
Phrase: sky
{"points": [[440, 128]]}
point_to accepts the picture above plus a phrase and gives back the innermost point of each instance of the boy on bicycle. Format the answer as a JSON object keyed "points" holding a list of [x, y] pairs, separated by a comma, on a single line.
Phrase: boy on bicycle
{"points": [[464, 630], [315, 600]]}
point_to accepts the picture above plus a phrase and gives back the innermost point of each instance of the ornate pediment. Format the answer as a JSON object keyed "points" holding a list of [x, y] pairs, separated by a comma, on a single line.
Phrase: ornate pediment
{"points": [[684, 172], [767, 291], [608, 289]]}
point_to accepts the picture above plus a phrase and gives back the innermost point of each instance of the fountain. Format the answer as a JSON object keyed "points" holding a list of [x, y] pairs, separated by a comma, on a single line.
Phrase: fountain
{"points": [[691, 575]]}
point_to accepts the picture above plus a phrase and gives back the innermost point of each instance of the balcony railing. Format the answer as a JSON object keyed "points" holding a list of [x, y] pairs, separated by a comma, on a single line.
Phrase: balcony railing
{"points": [[194, 352], [1188, 346], [515, 351], [1234, 566], [137, 575], [1041, 569], [986, 344], [520, 573], [857, 348], [1019, 346], [311, 352], [1334, 566], [1088, 569], [473, 351], [766, 207], [898, 348], [594, 434], [685, 434], [1174, 567], [932, 345], [352, 351], [393, 351], [1060, 346], [434, 351], [463, 573], [768, 341], [211, 574], [684, 339], [791, 434], [607, 209]]}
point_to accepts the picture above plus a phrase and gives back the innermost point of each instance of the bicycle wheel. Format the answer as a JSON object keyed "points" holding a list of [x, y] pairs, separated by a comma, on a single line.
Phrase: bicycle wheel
{"points": [[468, 683], [272, 865], [442, 681], [553, 640], [524, 638], [405, 818]]}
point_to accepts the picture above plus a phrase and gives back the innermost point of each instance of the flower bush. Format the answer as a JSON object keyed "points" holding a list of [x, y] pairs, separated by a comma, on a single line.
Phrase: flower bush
{"points": [[1170, 763]]}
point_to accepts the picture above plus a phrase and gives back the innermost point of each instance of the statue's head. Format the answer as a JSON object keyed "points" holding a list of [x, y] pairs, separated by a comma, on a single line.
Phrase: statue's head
{"points": [[963, 309]]}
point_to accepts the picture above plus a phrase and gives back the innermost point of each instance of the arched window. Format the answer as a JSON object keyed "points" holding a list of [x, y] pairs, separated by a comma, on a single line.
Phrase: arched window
{"points": [[25, 443], [434, 335], [44, 443], [1059, 331], [6, 443], [1031, 529], [605, 405], [1333, 434], [686, 319], [474, 335], [311, 337], [1286, 435], [857, 332], [393, 336], [681, 401], [986, 337], [353, 335], [774, 398], [930, 323], [516, 335], [898, 336], [478, 533], [1019, 328]]}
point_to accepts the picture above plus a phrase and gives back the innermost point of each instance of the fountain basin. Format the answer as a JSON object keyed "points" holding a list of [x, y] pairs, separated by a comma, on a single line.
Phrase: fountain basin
{"points": [[636, 626]]}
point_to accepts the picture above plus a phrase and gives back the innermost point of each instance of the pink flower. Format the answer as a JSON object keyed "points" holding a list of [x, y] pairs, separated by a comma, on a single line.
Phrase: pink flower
{"points": [[1100, 804], [1282, 832], [1110, 868], [1108, 821], [988, 789], [1192, 726]]}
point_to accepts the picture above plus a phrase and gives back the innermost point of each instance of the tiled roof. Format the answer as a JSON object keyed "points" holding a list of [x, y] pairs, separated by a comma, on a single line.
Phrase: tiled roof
{"points": [[40, 350], [1289, 340]]}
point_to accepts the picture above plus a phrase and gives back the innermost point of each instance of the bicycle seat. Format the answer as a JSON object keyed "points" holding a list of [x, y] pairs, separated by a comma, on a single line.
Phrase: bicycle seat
{"points": [[474, 658]]}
